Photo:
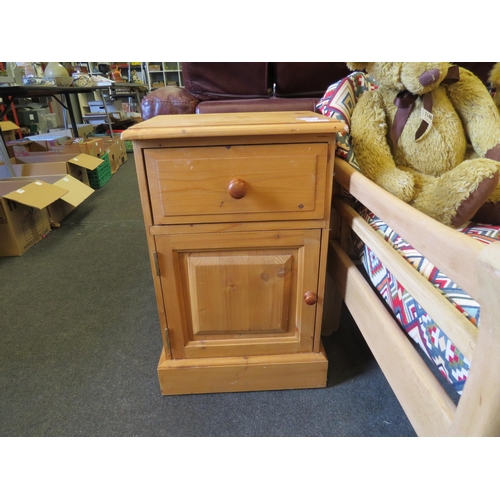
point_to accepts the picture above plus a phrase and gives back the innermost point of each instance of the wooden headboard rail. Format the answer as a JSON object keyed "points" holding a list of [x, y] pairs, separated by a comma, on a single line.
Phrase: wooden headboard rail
{"points": [[475, 267], [462, 332], [431, 238]]}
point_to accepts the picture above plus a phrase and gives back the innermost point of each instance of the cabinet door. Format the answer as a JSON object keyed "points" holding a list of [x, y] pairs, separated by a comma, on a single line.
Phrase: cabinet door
{"points": [[242, 293]]}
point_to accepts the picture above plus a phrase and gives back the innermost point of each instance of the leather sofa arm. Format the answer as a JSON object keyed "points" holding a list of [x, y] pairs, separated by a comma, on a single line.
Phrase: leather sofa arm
{"points": [[168, 101]]}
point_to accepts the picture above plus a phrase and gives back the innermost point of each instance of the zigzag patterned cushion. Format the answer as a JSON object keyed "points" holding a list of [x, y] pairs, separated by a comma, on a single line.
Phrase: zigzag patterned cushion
{"points": [[339, 101], [451, 363]]}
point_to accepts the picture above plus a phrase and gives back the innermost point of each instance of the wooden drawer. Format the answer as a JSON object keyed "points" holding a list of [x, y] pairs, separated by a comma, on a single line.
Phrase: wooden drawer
{"points": [[237, 183]]}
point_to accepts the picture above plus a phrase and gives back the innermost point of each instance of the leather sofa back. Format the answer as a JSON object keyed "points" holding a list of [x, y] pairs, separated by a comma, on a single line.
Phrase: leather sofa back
{"points": [[221, 81], [236, 80], [306, 79]]}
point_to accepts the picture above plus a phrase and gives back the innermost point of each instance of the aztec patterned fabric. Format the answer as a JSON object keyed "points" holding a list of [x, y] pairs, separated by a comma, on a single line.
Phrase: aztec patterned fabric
{"points": [[339, 101], [450, 362]]}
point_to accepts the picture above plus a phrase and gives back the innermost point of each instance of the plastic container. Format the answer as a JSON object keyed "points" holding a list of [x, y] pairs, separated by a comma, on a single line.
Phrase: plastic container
{"points": [[102, 174]]}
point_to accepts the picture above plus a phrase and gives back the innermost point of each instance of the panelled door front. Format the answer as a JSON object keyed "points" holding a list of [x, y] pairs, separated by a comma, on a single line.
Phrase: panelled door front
{"points": [[239, 293]]}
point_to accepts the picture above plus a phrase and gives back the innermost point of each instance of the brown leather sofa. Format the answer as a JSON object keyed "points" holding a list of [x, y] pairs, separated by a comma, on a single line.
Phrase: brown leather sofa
{"points": [[236, 86], [254, 86]]}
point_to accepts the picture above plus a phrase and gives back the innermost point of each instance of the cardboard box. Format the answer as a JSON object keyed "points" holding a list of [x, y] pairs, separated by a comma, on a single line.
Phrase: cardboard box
{"points": [[54, 173], [100, 174], [116, 152], [8, 130], [56, 144], [84, 129], [90, 146], [24, 218], [53, 164], [47, 165], [77, 193], [22, 169], [41, 142], [22, 146], [40, 154], [79, 166]]}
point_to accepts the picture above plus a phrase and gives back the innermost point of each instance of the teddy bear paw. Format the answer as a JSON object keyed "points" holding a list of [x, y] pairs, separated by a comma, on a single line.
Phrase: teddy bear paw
{"points": [[494, 153], [474, 207]]}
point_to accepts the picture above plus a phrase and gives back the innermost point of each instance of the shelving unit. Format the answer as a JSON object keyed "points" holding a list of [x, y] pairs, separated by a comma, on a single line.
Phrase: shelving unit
{"points": [[108, 101], [125, 68], [153, 74], [99, 106], [161, 74]]}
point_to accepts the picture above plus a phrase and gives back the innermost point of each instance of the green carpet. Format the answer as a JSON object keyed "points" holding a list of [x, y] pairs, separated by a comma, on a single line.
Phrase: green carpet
{"points": [[80, 342]]}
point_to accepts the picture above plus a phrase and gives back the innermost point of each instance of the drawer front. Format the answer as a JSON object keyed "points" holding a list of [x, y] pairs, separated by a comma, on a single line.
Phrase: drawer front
{"points": [[244, 183]]}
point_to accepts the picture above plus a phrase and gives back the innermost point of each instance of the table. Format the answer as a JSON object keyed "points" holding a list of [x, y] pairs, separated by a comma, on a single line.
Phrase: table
{"points": [[237, 215], [8, 94]]}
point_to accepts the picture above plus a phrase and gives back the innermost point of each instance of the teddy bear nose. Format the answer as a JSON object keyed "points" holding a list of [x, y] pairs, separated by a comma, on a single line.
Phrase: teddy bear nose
{"points": [[429, 77]]}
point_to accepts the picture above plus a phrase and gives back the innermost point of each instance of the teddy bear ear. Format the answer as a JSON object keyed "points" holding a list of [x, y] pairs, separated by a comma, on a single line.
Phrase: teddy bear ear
{"points": [[357, 66]]}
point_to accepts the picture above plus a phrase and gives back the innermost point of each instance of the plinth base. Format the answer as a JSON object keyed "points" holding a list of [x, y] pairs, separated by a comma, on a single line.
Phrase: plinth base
{"points": [[242, 374]]}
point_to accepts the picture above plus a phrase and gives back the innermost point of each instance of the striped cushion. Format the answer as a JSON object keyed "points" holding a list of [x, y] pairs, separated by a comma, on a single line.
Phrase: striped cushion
{"points": [[338, 102], [451, 363]]}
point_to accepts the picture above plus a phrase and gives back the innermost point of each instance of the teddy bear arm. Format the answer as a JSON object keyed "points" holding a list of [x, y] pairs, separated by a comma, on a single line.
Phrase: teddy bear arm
{"points": [[478, 112], [373, 154]]}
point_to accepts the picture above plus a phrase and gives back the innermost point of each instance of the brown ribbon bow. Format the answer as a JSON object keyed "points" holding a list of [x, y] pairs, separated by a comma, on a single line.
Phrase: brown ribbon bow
{"points": [[404, 102]]}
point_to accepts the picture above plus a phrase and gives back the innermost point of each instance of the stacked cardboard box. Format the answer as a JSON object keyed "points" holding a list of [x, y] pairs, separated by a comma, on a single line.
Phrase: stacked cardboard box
{"points": [[42, 193], [8, 129], [24, 217], [52, 176], [52, 164], [66, 145], [116, 150], [92, 146]]}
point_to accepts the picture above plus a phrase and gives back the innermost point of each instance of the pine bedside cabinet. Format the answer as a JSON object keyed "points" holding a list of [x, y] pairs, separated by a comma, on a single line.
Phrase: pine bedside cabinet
{"points": [[237, 214]]}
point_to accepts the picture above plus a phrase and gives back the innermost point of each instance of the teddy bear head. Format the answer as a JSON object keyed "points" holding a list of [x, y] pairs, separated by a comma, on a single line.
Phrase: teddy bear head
{"points": [[416, 77]]}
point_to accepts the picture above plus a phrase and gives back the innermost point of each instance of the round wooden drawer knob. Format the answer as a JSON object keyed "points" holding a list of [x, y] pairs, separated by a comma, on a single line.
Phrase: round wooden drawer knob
{"points": [[310, 298], [237, 189]]}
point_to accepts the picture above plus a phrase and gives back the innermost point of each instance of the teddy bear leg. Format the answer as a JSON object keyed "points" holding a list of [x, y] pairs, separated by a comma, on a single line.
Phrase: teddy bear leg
{"points": [[457, 195]]}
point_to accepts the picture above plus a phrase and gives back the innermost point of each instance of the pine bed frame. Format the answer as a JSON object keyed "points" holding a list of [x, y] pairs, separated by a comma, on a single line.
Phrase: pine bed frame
{"points": [[472, 265]]}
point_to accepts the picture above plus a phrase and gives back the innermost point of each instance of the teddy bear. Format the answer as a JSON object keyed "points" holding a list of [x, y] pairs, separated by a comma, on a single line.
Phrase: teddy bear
{"points": [[430, 135], [494, 79]]}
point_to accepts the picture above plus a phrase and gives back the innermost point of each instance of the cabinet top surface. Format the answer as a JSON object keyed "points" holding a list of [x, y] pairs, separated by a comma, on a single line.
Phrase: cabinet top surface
{"points": [[233, 124]]}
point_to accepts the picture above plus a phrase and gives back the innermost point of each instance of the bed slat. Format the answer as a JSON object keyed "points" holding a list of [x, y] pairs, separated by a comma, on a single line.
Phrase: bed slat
{"points": [[456, 326], [478, 411], [428, 407], [445, 247]]}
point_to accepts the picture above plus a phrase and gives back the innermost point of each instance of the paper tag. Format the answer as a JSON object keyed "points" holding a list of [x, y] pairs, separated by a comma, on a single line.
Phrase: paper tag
{"points": [[20, 191], [426, 116], [313, 119], [38, 183]]}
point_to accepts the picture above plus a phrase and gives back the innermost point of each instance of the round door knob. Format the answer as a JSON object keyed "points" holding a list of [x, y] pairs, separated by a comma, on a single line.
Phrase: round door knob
{"points": [[237, 189], [310, 298]]}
